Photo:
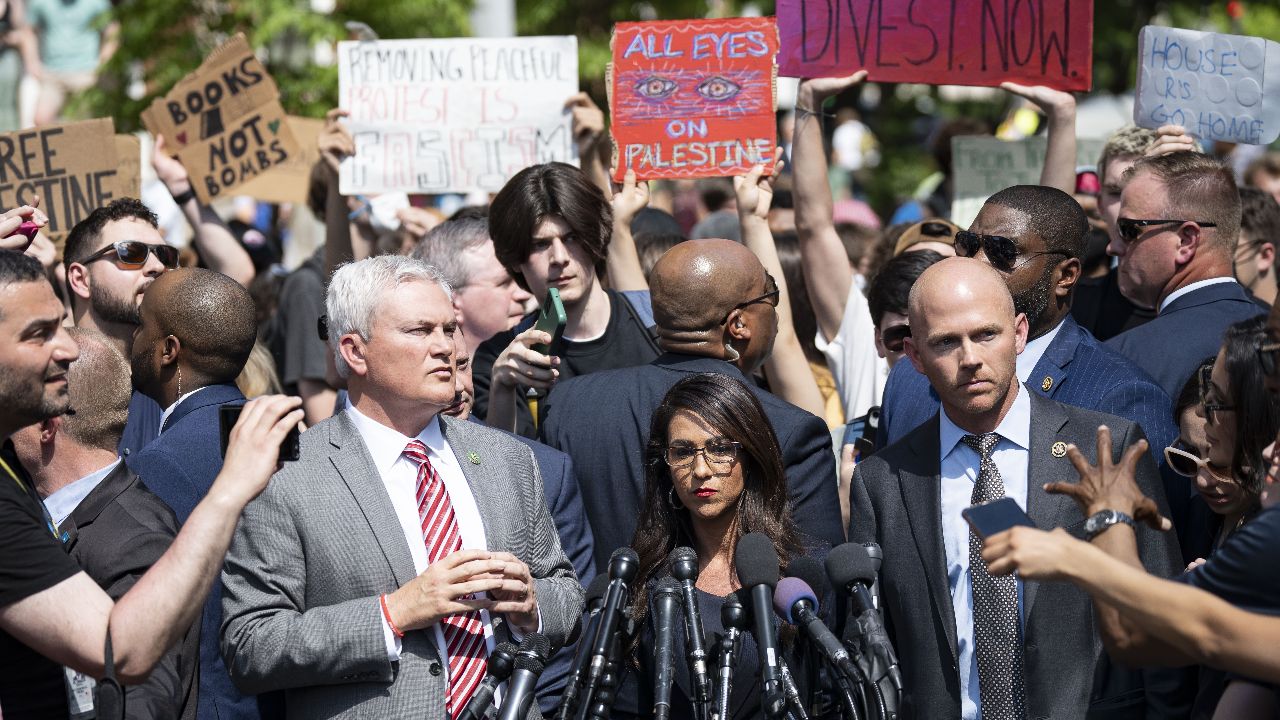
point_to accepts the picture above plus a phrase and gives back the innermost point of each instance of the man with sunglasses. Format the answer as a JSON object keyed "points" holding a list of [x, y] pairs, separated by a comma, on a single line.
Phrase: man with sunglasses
{"points": [[1177, 232]]}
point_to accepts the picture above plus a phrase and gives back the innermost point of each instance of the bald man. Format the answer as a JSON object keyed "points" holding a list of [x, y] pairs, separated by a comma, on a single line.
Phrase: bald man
{"points": [[195, 334], [971, 645], [713, 304]]}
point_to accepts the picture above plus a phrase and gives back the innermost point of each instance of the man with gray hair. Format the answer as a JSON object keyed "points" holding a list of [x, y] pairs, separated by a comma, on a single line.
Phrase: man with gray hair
{"points": [[486, 299], [108, 521], [376, 574]]}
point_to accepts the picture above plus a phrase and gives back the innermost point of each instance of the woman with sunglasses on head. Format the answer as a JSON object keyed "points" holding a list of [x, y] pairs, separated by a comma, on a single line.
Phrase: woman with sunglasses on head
{"points": [[713, 474]]}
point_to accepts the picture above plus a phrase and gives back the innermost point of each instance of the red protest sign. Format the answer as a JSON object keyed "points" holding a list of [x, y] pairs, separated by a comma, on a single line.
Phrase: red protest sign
{"points": [[940, 42], [693, 98]]}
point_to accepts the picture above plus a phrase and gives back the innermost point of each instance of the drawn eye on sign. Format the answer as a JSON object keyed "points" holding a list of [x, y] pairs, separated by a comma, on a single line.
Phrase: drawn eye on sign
{"points": [[645, 95]]}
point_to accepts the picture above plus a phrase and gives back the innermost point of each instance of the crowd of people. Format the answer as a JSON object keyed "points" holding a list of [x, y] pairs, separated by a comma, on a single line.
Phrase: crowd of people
{"points": [[760, 361]]}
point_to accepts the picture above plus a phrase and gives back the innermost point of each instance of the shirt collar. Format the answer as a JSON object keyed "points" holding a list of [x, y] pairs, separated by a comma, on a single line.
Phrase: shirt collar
{"points": [[164, 416], [67, 498], [386, 445], [1192, 287], [1034, 350], [1014, 427]]}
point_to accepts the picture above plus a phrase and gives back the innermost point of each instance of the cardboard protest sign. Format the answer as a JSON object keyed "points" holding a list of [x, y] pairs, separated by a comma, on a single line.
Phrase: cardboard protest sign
{"points": [[983, 165], [288, 181], [940, 42], [224, 120], [129, 163], [1218, 87], [455, 115], [693, 98], [72, 168]]}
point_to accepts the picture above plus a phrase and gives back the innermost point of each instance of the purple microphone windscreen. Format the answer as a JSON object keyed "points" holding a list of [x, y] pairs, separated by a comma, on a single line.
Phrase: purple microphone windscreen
{"points": [[849, 563], [756, 560], [810, 571], [790, 590]]}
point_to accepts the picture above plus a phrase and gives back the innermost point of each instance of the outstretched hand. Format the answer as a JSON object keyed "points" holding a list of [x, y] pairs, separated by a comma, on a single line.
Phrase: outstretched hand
{"points": [[819, 89], [1110, 486], [1170, 139], [629, 198], [1033, 553], [1047, 99], [169, 169], [754, 191]]}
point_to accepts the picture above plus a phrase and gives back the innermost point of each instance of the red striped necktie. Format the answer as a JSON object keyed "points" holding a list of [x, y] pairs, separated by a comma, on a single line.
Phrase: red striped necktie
{"points": [[463, 634]]}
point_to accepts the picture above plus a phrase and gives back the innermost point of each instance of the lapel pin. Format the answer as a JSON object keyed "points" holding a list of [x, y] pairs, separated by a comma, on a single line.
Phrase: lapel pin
{"points": [[474, 458], [1046, 384], [1059, 448]]}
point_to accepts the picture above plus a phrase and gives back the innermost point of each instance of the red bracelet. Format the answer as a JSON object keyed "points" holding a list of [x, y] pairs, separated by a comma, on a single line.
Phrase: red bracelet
{"points": [[387, 614]]}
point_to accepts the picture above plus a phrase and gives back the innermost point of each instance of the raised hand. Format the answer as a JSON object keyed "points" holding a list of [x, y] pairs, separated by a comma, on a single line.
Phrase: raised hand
{"points": [[629, 198], [1109, 486], [335, 141], [819, 89], [1170, 139], [1049, 100]]}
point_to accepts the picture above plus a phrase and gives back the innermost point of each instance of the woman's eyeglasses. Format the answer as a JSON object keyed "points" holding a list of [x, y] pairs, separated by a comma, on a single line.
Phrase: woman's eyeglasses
{"points": [[1210, 404], [1131, 229], [132, 254], [716, 452], [1001, 251]]}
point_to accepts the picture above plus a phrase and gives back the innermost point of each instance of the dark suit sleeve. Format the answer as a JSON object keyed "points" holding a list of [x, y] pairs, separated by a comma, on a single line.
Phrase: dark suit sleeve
{"points": [[560, 595], [811, 479], [571, 523], [168, 479], [862, 515]]}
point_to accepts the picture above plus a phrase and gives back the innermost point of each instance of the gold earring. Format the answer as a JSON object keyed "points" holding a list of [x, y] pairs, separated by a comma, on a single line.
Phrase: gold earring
{"points": [[179, 381]]}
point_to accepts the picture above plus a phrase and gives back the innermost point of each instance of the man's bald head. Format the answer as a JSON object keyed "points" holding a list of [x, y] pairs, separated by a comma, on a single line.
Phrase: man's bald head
{"points": [[697, 282], [957, 280], [211, 314]]}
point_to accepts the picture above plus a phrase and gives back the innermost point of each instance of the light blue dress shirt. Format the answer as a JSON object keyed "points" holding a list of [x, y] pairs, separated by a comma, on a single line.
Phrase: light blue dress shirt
{"points": [[66, 499], [959, 471]]}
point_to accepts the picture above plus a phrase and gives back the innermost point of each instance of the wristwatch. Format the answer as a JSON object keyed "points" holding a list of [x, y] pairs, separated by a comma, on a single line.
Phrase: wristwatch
{"points": [[1102, 520]]}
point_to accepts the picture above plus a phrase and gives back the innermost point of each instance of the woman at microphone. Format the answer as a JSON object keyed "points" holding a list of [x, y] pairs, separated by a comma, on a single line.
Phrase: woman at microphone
{"points": [[713, 473]]}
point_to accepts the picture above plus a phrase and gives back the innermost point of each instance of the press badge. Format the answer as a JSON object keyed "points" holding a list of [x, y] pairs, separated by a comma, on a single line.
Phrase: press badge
{"points": [[80, 694]]}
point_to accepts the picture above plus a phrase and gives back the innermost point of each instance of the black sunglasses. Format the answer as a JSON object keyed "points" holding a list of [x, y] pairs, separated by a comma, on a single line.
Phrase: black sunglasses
{"points": [[894, 337], [132, 254], [1001, 251], [770, 297], [1131, 229]]}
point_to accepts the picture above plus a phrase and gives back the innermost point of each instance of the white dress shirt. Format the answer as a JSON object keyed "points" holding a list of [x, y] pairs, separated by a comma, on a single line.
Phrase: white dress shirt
{"points": [[959, 470], [1031, 354], [400, 475], [1190, 288], [67, 498], [164, 416]]}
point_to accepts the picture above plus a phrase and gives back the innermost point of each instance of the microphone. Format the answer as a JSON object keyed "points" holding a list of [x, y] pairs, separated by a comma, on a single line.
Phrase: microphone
{"points": [[500, 663], [877, 557], [595, 603], [529, 662], [623, 565], [666, 603], [734, 619], [796, 603], [684, 568], [852, 569], [757, 563]]}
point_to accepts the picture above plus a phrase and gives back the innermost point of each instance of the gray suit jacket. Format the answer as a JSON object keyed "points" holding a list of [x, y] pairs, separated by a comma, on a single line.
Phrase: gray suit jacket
{"points": [[897, 504], [313, 553]]}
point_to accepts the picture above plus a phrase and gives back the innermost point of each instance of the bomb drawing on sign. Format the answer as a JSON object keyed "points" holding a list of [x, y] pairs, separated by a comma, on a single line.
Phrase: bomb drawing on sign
{"points": [[693, 98]]}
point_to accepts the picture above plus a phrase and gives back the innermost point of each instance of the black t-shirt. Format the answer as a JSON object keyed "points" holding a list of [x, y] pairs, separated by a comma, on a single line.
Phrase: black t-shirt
{"points": [[31, 560], [1243, 570], [291, 335], [626, 342]]}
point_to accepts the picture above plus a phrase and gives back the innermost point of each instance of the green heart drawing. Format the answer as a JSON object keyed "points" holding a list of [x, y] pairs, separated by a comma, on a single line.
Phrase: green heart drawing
{"points": [[275, 126]]}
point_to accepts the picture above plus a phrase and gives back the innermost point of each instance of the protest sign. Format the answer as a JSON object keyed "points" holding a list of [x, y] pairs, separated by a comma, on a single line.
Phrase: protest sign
{"points": [[72, 168], [129, 164], [1218, 87], [693, 98], [224, 120], [455, 115], [288, 181], [940, 42], [983, 165]]}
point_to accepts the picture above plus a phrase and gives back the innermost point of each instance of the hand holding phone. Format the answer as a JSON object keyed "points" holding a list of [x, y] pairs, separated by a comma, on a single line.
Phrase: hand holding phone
{"points": [[551, 320], [995, 516], [229, 415]]}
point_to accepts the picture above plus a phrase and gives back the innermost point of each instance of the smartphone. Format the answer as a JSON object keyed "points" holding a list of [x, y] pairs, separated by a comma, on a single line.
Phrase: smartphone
{"points": [[229, 415], [996, 516], [551, 320]]}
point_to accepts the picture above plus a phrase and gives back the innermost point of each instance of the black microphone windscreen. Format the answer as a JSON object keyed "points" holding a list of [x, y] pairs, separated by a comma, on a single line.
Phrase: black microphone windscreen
{"points": [[668, 586], [810, 571], [756, 560], [623, 564], [529, 663], [536, 643], [596, 590], [505, 648], [849, 563], [684, 563]]}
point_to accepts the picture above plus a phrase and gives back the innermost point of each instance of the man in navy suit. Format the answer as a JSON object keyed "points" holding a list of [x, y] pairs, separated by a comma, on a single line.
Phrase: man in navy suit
{"points": [[713, 304], [1178, 228], [197, 330]]}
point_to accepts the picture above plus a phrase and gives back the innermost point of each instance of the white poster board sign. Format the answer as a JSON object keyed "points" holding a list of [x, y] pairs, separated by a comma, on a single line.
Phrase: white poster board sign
{"points": [[983, 165], [454, 115], [1218, 87]]}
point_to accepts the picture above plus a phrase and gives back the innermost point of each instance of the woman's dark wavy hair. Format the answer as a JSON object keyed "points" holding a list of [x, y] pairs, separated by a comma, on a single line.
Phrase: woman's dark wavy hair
{"points": [[732, 409], [1257, 413]]}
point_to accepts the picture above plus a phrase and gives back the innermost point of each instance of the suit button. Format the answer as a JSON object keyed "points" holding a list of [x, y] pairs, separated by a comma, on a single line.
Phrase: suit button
{"points": [[435, 669]]}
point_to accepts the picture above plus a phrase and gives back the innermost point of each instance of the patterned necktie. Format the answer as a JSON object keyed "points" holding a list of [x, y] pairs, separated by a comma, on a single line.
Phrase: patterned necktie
{"points": [[463, 634], [996, 629]]}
